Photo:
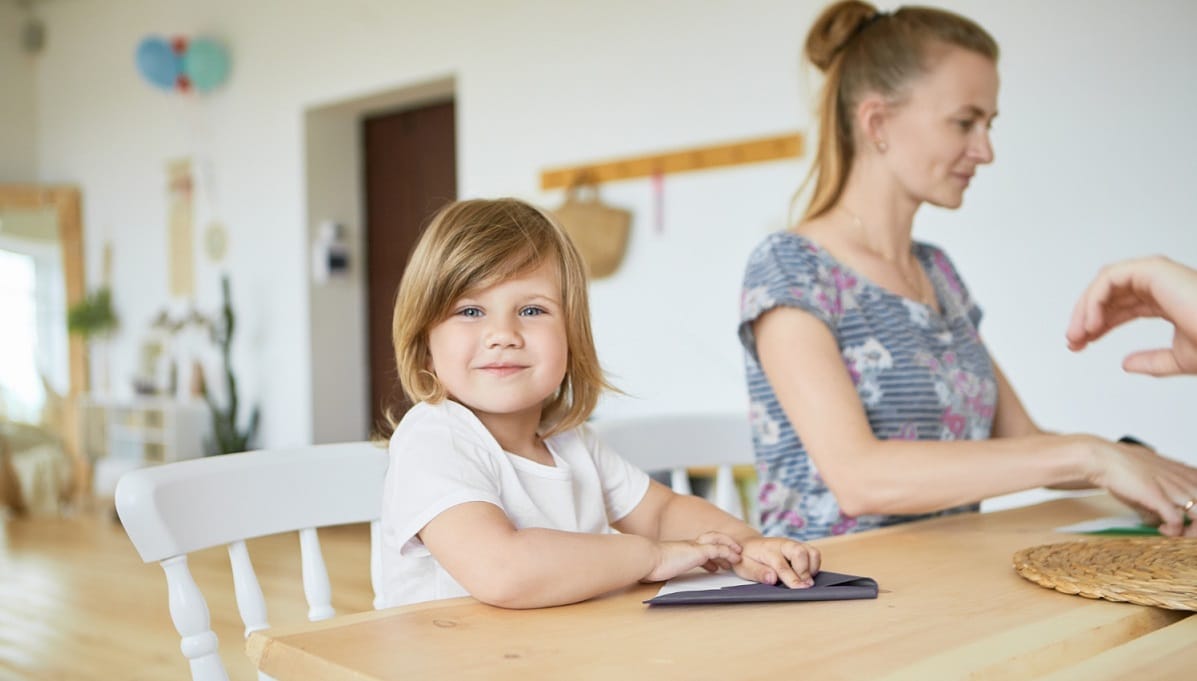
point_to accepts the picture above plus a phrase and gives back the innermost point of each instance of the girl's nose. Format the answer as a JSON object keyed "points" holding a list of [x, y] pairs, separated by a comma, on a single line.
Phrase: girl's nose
{"points": [[502, 333]]}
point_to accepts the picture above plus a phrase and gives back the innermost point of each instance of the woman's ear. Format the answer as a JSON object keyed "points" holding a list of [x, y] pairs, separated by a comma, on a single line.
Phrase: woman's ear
{"points": [[870, 121]]}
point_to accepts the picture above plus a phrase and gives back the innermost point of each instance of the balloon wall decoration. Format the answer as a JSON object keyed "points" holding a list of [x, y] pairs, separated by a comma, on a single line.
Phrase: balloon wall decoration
{"points": [[182, 64]]}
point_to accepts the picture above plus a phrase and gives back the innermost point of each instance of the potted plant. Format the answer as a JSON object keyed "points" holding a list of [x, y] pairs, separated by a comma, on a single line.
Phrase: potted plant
{"points": [[228, 437], [93, 319]]}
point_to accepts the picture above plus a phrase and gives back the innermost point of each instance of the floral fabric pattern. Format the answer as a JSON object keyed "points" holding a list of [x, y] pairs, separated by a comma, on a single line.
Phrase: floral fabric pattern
{"points": [[921, 374]]}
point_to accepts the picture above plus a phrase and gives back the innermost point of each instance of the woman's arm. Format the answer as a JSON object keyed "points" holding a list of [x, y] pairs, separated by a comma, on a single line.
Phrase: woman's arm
{"points": [[870, 476], [535, 567], [1012, 420]]}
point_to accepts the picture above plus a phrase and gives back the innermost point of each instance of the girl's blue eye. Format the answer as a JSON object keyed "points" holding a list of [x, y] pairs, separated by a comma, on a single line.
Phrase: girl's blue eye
{"points": [[532, 311], [470, 312]]}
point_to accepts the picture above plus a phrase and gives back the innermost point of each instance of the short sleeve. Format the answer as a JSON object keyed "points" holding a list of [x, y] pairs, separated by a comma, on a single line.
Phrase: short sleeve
{"points": [[787, 271], [432, 469], [624, 484], [962, 300]]}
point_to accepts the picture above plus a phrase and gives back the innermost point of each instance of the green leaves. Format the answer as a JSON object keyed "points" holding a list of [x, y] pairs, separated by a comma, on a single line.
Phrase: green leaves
{"points": [[93, 315]]}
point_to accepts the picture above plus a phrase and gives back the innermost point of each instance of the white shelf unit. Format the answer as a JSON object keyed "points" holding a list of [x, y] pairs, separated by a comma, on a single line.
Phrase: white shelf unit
{"points": [[145, 431]]}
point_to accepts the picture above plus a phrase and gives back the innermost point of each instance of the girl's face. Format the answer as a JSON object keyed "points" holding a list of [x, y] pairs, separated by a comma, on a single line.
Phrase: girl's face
{"points": [[502, 350], [940, 135]]}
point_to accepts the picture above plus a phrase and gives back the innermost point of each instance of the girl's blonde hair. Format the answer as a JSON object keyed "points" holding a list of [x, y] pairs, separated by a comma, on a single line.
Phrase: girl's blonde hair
{"points": [[470, 245], [862, 51]]}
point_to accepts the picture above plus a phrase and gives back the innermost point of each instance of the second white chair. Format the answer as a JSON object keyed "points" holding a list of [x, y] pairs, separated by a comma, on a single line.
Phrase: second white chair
{"points": [[675, 442]]}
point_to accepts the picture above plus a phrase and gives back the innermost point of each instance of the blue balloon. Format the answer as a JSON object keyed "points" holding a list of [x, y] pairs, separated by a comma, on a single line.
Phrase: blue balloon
{"points": [[158, 63], [206, 64]]}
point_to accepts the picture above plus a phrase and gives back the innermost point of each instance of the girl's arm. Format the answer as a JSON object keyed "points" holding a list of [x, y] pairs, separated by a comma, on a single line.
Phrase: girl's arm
{"points": [[870, 476], [535, 567], [670, 516]]}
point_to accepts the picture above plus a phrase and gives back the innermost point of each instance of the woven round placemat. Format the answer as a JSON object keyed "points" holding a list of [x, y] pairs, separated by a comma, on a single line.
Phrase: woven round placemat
{"points": [[1158, 571]]}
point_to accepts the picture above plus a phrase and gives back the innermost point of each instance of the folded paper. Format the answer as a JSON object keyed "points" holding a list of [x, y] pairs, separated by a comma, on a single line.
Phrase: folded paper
{"points": [[828, 586]]}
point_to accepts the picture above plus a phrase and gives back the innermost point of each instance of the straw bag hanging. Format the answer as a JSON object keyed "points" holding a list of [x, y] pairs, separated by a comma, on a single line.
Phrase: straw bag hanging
{"points": [[599, 231]]}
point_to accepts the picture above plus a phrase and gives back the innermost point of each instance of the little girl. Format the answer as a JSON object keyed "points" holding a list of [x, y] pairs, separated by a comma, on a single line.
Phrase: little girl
{"points": [[496, 489]]}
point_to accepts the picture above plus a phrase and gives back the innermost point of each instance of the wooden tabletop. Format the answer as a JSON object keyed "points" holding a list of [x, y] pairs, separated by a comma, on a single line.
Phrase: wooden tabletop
{"points": [[950, 606]]}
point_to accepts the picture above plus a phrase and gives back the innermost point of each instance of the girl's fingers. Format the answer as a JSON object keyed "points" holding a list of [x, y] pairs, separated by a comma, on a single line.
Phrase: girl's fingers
{"points": [[718, 538]]}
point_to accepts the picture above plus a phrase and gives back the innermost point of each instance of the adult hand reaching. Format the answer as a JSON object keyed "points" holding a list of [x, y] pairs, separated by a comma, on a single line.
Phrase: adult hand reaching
{"points": [[1143, 287]]}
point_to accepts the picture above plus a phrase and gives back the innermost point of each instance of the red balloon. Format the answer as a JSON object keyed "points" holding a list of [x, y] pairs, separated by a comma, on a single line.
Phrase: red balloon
{"points": [[183, 83], [178, 44]]}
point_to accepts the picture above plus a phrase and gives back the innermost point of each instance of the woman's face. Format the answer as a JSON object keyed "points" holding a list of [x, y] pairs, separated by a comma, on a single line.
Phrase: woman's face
{"points": [[940, 134]]}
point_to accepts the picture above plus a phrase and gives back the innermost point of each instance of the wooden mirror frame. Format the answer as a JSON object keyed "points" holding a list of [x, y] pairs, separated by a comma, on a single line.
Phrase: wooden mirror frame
{"points": [[66, 201]]}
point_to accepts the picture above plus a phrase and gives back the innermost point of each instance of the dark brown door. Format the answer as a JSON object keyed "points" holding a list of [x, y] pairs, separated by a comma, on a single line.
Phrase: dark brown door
{"points": [[411, 172]]}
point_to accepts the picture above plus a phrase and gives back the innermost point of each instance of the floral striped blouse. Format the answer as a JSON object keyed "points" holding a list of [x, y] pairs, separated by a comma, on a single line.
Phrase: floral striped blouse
{"points": [[920, 374]]}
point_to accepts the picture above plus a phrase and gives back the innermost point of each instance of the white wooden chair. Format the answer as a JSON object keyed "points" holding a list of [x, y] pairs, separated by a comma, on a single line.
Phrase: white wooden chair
{"points": [[680, 441], [174, 509]]}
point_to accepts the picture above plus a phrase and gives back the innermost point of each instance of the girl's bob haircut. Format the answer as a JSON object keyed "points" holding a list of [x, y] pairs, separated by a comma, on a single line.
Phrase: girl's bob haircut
{"points": [[471, 245]]}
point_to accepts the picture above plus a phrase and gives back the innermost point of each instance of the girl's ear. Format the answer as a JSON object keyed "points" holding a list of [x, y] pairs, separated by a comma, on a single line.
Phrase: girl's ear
{"points": [[870, 121]]}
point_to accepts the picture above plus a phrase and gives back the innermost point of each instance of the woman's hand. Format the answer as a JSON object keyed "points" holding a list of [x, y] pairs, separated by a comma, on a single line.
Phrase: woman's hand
{"points": [[710, 550], [1151, 484], [771, 559]]}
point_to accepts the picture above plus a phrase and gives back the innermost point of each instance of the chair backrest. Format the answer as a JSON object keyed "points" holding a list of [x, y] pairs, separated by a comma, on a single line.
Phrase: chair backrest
{"points": [[174, 509], [675, 442]]}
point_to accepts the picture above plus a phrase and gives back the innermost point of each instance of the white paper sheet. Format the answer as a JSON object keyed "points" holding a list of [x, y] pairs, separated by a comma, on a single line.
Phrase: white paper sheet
{"points": [[702, 581]]}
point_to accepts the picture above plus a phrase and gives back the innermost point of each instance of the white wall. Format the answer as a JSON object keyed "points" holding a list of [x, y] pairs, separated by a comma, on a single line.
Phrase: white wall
{"points": [[18, 121], [1093, 155]]}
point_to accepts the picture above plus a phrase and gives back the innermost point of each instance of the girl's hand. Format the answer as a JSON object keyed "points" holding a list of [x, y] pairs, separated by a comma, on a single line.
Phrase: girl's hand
{"points": [[770, 559], [1152, 485], [710, 551]]}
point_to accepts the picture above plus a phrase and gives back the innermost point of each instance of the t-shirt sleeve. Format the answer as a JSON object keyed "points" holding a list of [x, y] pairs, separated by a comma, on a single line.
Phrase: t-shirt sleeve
{"points": [[432, 469], [787, 272], [624, 484], [961, 298]]}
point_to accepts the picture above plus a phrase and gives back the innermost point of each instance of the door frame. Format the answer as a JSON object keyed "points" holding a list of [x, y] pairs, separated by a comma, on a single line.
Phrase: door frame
{"points": [[67, 203]]}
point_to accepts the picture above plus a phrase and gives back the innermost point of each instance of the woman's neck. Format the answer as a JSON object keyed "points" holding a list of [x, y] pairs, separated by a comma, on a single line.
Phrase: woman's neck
{"points": [[877, 214]]}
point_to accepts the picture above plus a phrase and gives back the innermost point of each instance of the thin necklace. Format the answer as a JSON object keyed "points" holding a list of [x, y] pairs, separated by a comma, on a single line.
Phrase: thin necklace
{"points": [[922, 296]]}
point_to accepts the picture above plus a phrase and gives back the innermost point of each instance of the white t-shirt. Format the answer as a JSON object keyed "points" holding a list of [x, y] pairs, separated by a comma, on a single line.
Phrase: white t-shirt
{"points": [[442, 456]]}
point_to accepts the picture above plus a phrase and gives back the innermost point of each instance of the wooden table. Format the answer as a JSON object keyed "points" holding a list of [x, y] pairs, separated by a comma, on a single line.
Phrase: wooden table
{"points": [[951, 606]]}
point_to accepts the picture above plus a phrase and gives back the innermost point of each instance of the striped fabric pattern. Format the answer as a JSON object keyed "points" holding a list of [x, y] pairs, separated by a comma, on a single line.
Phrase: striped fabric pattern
{"points": [[920, 374]]}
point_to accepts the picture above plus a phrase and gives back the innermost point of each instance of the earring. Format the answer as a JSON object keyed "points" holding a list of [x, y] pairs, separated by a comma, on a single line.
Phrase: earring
{"points": [[882, 146]]}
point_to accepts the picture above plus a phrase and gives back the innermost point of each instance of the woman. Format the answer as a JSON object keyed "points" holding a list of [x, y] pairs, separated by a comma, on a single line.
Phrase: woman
{"points": [[861, 340]]}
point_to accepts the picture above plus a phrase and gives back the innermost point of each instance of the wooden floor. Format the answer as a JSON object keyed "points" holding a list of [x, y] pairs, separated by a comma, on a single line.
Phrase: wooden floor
{"points": [[77, 603]]}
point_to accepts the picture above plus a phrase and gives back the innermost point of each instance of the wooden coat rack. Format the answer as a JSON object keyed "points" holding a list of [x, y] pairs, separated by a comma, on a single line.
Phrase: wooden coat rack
{"points": [[697, 158]]}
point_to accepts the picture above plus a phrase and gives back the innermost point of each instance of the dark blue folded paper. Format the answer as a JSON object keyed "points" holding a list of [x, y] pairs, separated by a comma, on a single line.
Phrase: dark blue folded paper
{"points": [[828, 586]]}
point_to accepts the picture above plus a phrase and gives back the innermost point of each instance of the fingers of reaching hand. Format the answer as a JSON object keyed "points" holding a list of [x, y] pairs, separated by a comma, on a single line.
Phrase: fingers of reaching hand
{"points": [[1160, 362], [1093, 317]]}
